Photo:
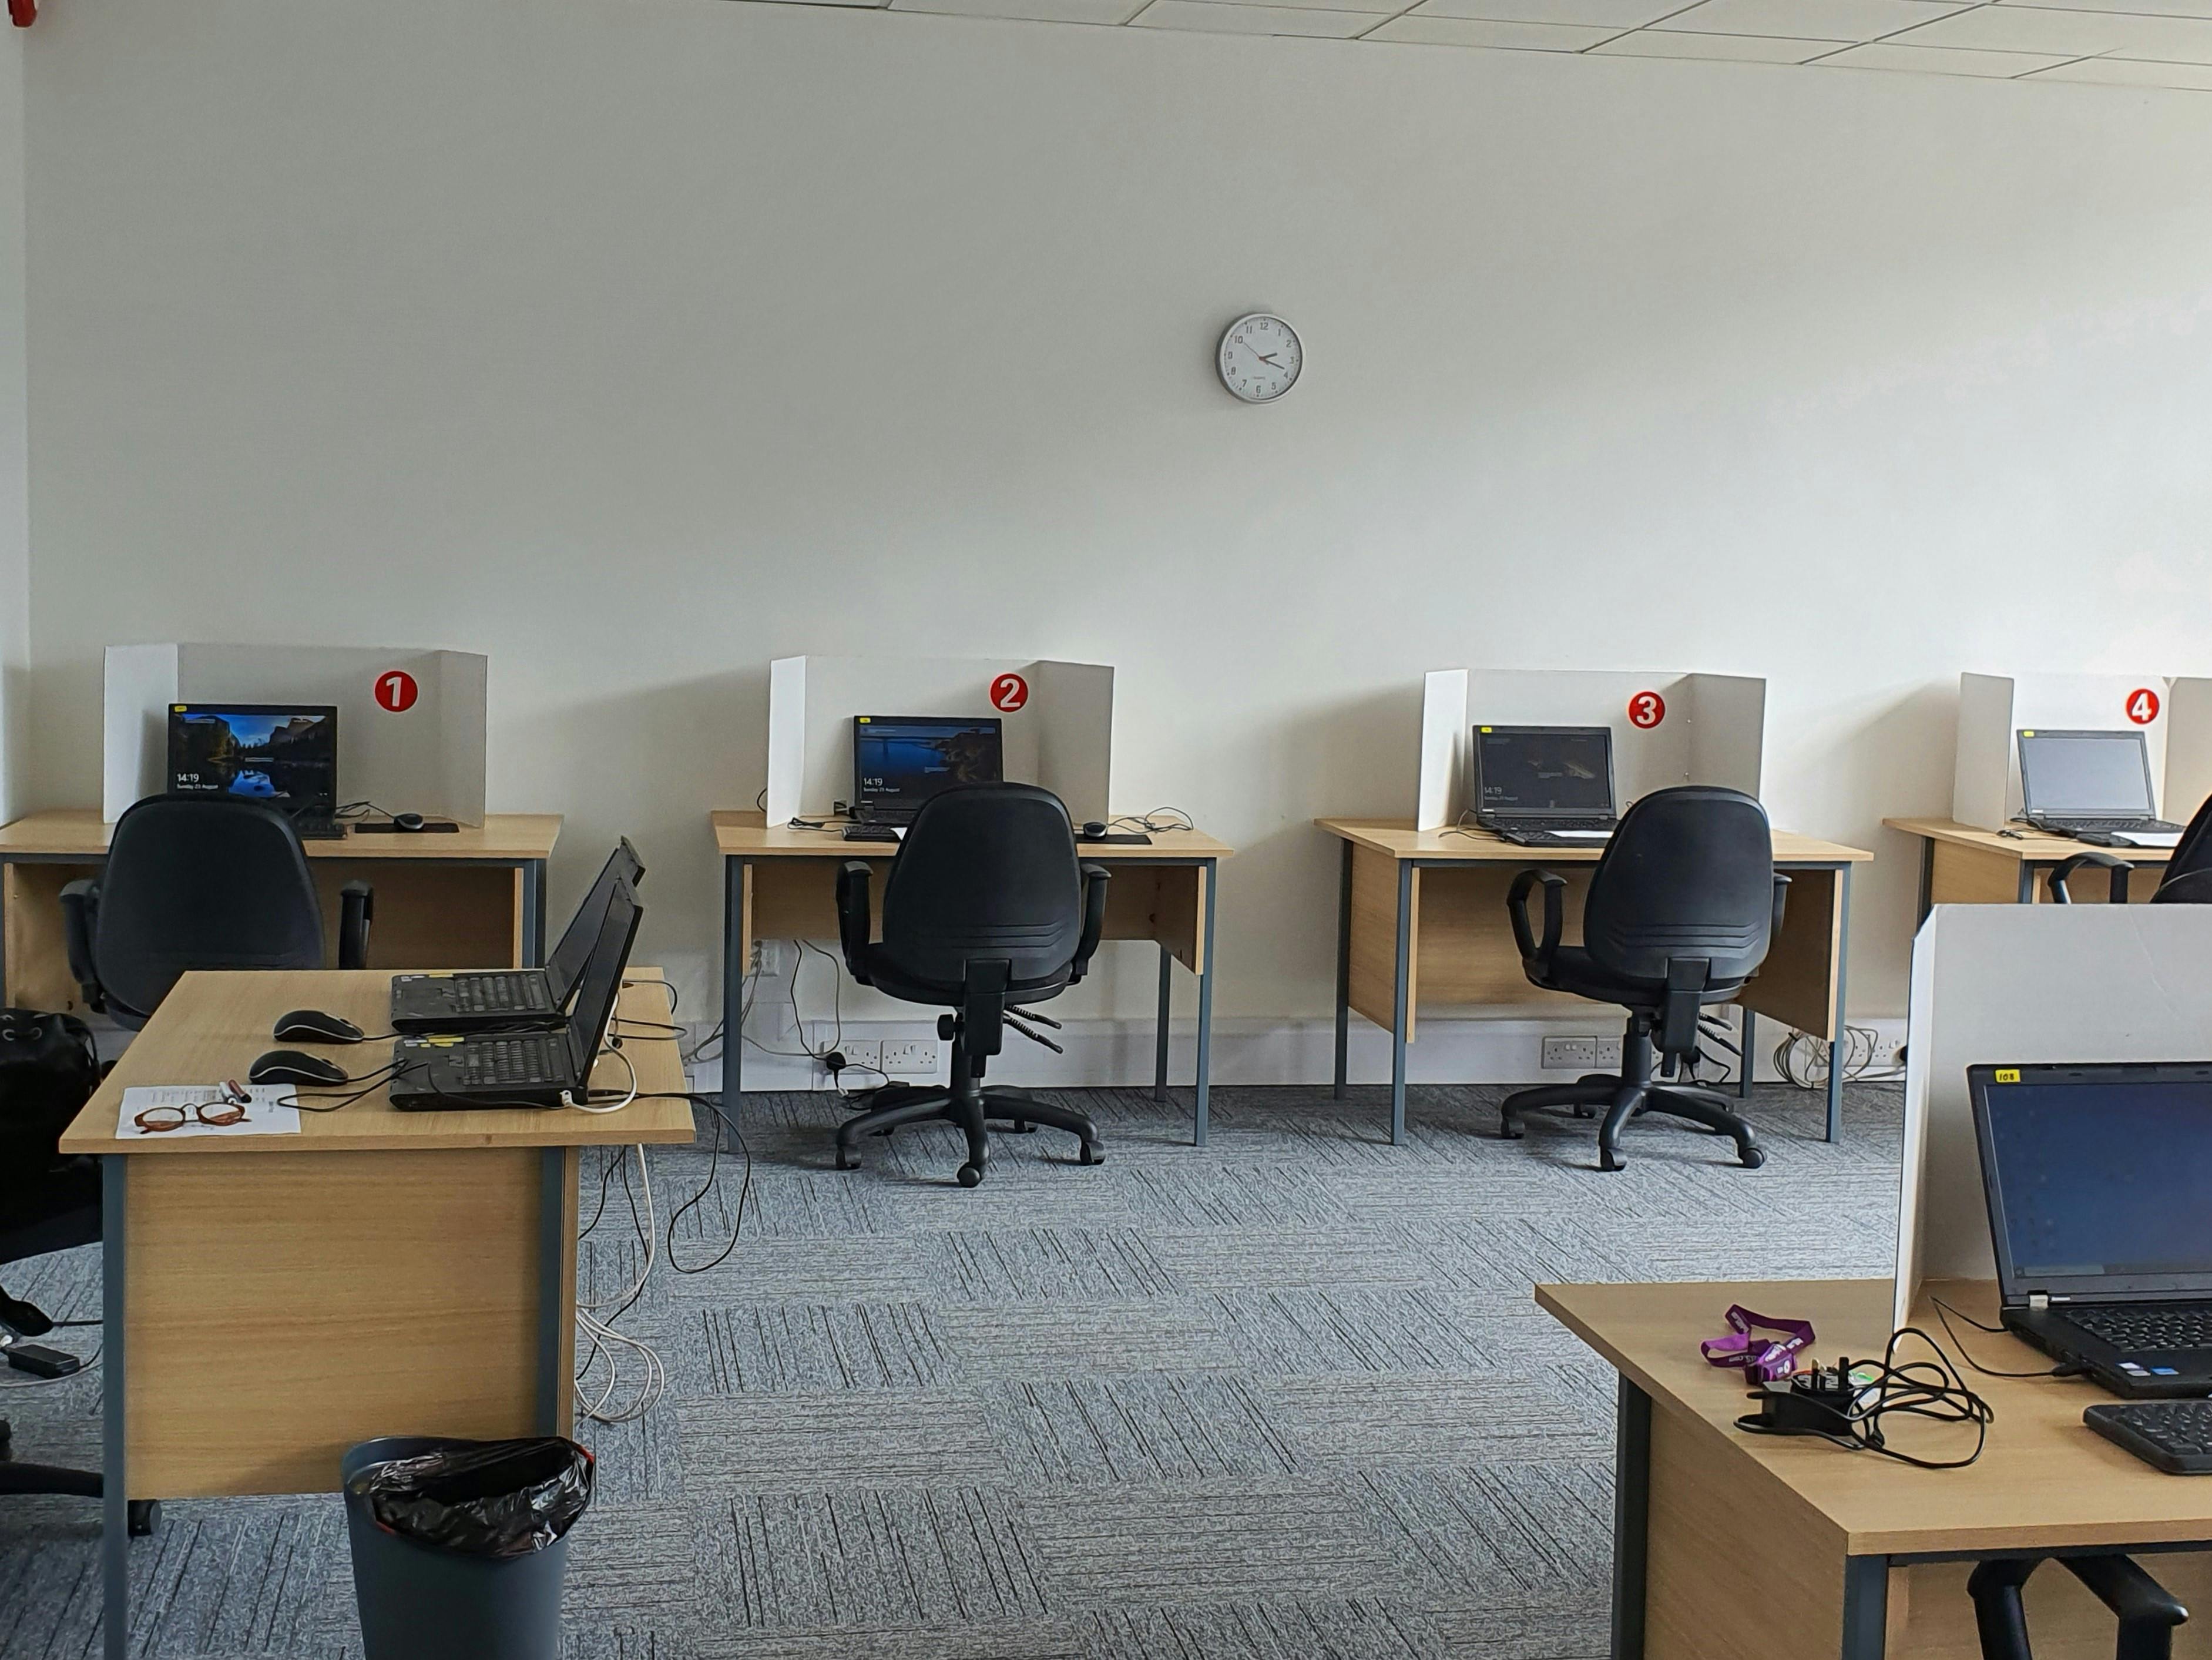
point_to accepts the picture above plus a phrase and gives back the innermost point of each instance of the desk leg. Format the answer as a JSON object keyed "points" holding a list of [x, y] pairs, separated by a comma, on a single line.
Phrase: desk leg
{"points": [[1927, 881], [1401, 993], [1747, 1036], [1161, 1030], [1212, 873], [1839, 1047], [2025, 894], [1866, 1607], [1631, 1519], [1343, 972], [552, 1312], [533, 913], [6, 1002], [114, 1475], [733, 982]]}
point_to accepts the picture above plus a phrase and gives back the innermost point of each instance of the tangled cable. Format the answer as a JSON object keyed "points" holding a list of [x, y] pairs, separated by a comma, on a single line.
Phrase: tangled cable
{"points": [[1934, 1390]]}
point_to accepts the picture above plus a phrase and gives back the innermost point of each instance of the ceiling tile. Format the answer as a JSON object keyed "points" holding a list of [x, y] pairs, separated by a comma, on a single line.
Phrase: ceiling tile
{"points": [[1812, 20], [1043, 11], [2161, 8], [1598, 14], [2070, 33], [2132, 72], [1933, 60], [1228, 17], [1728, 48], [1481, 32]]}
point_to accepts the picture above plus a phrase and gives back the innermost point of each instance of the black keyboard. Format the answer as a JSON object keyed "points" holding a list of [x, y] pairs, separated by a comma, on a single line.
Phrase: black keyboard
{"points": [[2142, 1327], [1545, 832], [315, 828], [2108, 826], [2174, 1436], [509, 1063], [872, 832], [495, 993]]}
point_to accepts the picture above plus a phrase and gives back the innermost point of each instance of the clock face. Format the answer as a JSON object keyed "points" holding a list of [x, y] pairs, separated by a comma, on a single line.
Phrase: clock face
{"points": [[1260, 358]]}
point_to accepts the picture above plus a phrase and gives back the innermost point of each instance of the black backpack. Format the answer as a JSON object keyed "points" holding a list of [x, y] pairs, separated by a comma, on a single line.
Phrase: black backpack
{"points": [[48, 1070]]}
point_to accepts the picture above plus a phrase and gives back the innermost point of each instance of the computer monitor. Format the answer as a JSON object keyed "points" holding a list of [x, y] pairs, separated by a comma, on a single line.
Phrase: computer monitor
{"points": [[2096, 1176], [2104, 775], [285, 754], [564, 969], [1543, 772], [900, 761], [599, 991]]}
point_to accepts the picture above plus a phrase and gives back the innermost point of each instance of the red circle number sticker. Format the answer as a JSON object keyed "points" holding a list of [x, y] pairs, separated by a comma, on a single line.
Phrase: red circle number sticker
{"points": [[1009, 692], [396, 691], [1646, 710], [2143, 706]]}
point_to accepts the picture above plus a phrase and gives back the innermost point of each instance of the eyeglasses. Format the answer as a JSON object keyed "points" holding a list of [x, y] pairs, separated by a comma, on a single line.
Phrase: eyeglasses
{"points": [[226, 1109]]}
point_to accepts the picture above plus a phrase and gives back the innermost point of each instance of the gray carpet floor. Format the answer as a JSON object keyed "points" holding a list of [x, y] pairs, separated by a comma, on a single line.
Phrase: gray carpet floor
{"points": [[1286, 1398]]}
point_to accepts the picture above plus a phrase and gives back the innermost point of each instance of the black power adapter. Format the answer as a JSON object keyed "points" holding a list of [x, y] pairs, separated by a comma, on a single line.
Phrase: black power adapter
{"points": [[1814, 1403], [42, 1362]]}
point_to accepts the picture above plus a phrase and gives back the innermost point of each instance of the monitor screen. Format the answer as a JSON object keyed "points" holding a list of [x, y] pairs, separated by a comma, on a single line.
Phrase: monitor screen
{"points": [[2098, 1174], [2092, 772], [1547, 769], [565, 967], [600, 989], [900, 761], [287, 755]]}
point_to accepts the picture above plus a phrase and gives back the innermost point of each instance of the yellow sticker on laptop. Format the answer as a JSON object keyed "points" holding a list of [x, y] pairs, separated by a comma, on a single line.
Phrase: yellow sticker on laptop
{"points": [[2008, 1074]]}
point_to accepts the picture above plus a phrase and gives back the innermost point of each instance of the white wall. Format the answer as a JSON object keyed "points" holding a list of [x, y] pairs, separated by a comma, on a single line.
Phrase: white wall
{"points": [[14, 456], [637, 345]]}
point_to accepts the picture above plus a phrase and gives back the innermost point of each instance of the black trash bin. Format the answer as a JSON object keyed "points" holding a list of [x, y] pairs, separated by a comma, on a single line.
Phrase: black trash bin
{"points": [[459, 1548]]}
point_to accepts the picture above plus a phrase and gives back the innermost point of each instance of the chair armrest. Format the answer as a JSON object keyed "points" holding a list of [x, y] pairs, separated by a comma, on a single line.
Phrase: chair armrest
{"points": [[854, 922], [356, 909], [1095, 878], [1535, 951], [1781, 903], [2064, 873], [80, 923]]}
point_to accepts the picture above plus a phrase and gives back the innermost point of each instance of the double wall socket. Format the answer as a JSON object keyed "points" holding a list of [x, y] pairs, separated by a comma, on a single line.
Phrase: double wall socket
{"points": [[912, 1057], [1586, 1053]]}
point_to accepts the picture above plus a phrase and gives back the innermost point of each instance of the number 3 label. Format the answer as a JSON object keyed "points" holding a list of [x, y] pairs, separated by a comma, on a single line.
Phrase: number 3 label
{"points": [[1009, 692], [396, 691], [1646, 710], [2143, 706]]}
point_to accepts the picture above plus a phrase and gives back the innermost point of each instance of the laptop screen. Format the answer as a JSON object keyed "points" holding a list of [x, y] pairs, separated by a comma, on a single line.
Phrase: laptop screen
{"points": [[286, 754], [2104, 775], [1556, 771], [2096, 1177], [900, 761], [601, 987], [566, 965]]}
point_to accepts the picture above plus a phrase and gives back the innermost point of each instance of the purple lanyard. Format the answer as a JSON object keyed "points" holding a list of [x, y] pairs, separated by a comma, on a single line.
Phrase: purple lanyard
{"points": [[1768, 1360]]}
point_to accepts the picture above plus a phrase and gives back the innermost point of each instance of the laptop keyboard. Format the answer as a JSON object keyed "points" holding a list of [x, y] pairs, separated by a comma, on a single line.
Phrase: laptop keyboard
{"points": [[873, 833], [495, 993], [313, 827], [2115, 826], [2140, 1327], [497, 1062]]}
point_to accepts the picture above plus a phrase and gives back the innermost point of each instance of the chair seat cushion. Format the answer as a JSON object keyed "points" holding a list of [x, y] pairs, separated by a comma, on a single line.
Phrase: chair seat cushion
{"points": [[886, 976], [1573, 970]]}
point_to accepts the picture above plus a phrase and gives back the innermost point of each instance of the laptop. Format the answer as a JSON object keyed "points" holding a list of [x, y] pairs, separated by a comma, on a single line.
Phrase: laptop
{"points": [[1545, 787], [900, 761], [2098, 783], [2096, 1177], [284, 754], [525, 1069], [490, 999]]}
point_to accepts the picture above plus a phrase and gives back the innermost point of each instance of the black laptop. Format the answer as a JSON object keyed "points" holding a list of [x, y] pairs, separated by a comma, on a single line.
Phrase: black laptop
{"points": [[2091, 784], [900, 761], [2097, 1178], [283, 754], [493, 1000], [1545, 787], [525, 1069]]}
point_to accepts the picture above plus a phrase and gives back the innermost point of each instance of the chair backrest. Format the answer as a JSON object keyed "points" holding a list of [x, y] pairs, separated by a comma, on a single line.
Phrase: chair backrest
{"points": [[2188, 877], [985, 871], [202, 883], [1689, 873]]}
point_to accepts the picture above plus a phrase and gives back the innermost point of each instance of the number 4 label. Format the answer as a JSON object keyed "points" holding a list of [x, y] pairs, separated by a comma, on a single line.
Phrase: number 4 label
{"points": [[2143, 706]]}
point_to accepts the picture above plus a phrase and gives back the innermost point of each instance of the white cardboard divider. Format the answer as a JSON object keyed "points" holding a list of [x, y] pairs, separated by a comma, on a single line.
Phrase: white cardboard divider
{"points": [[1667, 728], [428, 758], [1061, 737], [1997, 984], [1992, 708]]}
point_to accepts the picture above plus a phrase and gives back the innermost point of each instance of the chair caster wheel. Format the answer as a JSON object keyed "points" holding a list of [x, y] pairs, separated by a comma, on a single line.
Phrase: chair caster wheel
{"points": [[970, 1175], [144, 1515], [1019, 1127], [1608, 1161], [1090, 1155], [1580, 1112], [846, 1161], [1510, 1132], [1751, 1157]]}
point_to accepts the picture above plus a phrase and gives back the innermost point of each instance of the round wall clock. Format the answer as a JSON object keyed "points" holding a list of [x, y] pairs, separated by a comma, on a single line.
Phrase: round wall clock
{"points": [[1261, 357]]}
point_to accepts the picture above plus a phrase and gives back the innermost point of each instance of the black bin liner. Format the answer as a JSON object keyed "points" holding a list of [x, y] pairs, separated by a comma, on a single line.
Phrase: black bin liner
{"points": [[495, 1499]]}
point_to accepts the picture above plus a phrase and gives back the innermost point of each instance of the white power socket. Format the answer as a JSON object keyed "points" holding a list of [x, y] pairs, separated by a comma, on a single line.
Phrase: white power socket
{"points": [[912, 1058], [866, 1053], [1583, 1054]]}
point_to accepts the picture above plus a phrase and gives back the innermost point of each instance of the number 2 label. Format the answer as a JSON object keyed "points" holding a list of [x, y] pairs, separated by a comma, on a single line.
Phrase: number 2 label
{"points": [[1009, 692]]}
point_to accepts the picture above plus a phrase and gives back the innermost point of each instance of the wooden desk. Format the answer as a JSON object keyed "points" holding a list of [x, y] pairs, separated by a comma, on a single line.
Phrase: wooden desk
{"points": [[474, 899], [1421, 917], [780, 884], [1736, 1547], [1960, 864], [271, 1300]]}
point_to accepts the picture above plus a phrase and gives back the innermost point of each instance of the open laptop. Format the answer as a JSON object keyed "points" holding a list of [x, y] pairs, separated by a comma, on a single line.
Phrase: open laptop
{"points": [[2097, 783], [492, 999], [284, 754], [2096, 1177], [525, 1069], [1545, 787], [900, 761]]}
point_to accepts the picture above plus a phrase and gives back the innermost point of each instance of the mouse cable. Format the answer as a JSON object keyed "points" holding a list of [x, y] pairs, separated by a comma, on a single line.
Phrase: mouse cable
{"points": [[341, 1099]]}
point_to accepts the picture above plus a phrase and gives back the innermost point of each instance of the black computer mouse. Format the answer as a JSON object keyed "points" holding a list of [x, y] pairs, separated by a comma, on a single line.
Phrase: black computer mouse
{"points": [[313, 1026], [1093, 828], [407, 823], [292, 1067]]}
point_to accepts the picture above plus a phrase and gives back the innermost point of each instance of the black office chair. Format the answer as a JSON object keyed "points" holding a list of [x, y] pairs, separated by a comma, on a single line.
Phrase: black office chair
{"points": [[1679, 912], [2148, 1612], [58, 1210], [985, 910], [2187, 879], [200, 882]]}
